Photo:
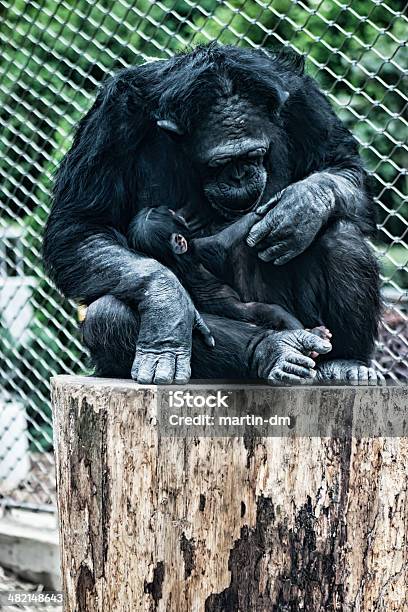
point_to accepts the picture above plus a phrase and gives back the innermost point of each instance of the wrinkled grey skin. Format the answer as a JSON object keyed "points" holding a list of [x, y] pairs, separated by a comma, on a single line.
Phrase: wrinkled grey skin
{"points": [[286, 227], [281, 357], [348, 371], [286, 231], [167, 318], [231, 164]]}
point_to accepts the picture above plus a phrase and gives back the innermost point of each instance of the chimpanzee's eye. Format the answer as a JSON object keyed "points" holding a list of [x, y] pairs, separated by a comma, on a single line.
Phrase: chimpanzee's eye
{"points": [[219, 161]]}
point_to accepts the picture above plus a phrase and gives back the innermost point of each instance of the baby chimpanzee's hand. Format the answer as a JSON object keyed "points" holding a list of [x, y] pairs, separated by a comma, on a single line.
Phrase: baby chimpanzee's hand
{"points": [[322, 332]]}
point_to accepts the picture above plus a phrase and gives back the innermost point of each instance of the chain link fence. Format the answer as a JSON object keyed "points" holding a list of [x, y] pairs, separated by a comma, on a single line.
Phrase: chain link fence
{"points": [[54, 55]]}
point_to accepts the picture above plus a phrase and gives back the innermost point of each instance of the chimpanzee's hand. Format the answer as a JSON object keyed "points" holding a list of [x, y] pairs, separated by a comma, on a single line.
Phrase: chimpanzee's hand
{"points": [[291, 226], [282, 357], [167, 318]]}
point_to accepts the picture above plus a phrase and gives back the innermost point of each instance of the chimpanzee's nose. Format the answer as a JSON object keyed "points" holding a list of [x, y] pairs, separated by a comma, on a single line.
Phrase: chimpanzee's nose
{"points": [[238, 173]]}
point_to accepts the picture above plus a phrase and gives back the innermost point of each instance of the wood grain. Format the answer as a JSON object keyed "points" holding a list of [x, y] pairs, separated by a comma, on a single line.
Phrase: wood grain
{"points": [[217, 524]]}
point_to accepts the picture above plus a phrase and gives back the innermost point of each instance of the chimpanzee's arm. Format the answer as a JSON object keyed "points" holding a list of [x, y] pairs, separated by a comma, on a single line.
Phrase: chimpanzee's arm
{"points": [[85, 251], [212, 251], [327, 154], [328, 180], [84, 248]]}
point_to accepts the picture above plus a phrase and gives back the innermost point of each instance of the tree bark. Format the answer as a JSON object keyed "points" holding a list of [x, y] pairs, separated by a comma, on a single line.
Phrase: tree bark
{"points": [[247, 523]]}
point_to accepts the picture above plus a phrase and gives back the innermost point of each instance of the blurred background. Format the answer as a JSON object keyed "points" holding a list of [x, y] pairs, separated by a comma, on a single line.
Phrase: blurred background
{"points": [[54, 54]]}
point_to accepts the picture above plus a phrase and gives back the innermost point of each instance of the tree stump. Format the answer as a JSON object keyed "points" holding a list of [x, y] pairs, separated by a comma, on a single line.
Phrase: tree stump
{"points": [[245, 523]]}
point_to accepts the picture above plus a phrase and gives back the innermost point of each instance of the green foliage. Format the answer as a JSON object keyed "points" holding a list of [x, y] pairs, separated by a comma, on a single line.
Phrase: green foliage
{"points": [[394, 264], [58, 52]]}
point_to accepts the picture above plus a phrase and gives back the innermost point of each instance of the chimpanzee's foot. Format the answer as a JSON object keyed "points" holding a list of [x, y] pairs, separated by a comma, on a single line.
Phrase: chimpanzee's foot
{"points": [[322, 332], [349, 371], [283, 357]]}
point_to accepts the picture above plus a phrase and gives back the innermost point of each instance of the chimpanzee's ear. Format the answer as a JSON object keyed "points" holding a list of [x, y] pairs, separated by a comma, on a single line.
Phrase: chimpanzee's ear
{"points": [[170, 126], [279, 97], [282, 96]]}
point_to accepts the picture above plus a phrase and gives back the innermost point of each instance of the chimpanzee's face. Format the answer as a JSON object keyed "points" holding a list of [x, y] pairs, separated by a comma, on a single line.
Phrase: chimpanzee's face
{"points": [[229, 149]]}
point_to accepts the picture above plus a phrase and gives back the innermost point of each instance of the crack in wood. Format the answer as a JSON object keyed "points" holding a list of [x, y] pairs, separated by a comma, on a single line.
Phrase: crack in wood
{"points": [[155, 587], [187, 547]]}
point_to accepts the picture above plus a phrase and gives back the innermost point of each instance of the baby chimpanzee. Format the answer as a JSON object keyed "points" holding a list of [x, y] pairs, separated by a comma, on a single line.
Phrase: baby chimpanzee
{"points": [[201, 264]]}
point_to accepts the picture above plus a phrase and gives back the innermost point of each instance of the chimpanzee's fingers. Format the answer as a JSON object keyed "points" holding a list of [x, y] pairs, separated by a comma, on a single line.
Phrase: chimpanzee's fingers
{"points": [[320, 331], [183, 370], [380, 378], [358, 375], [165, 369], [352, 375], [311, 342], [263, 208], [147, 369], [281, 261], [300, 360], [136, 365], [261, 229], [292, 368], [375, 377], [363, 375], [280, 376], [202, 327], [272, 252], [372, 376]]}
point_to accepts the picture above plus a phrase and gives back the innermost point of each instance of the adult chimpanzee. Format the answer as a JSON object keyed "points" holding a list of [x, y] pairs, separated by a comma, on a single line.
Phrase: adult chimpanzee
{"points": [[214, 134]]}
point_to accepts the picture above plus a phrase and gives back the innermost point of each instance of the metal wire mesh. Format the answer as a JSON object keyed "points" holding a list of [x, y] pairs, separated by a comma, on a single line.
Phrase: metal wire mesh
{"points": [[54, 55]]}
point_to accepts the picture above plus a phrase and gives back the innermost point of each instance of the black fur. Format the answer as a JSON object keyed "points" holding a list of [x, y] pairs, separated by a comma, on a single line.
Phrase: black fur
{"points": [[204, 268], [121, 162]]}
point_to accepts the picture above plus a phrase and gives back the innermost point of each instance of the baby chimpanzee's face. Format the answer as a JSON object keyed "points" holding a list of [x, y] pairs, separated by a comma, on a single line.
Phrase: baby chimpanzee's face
{"points": [[178, 243]]}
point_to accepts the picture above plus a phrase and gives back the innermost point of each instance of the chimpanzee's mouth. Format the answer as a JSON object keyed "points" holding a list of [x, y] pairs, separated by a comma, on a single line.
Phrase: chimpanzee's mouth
{"points": [[230, 212]]}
